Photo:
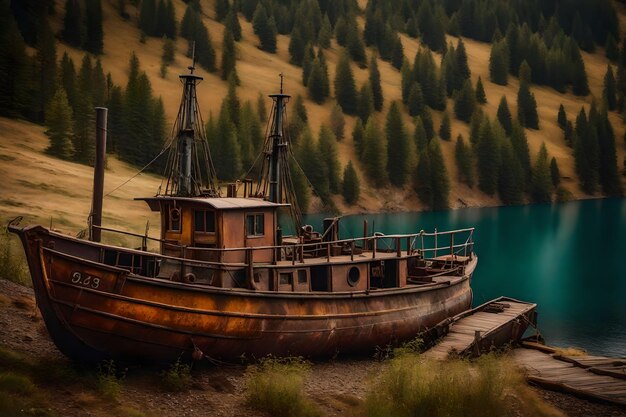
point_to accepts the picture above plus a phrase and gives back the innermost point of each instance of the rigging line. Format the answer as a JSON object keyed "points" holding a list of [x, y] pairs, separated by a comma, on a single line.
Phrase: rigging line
{"points": [[137, 174], [303, 173]]}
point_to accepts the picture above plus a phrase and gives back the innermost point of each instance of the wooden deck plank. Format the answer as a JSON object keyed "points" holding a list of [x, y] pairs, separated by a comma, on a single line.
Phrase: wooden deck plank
{"points": [[556, 373]]}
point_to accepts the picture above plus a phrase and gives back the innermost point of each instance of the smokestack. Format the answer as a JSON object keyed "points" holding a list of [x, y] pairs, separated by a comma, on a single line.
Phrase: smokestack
{"points": [[98, 175]]}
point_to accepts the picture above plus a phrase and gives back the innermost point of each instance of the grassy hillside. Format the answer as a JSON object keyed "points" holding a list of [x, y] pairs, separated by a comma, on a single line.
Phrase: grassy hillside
{"points": [[29, 174]]}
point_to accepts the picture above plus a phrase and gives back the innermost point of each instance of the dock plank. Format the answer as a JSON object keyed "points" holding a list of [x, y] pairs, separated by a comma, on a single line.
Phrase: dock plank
{"points": [[559, 373]]}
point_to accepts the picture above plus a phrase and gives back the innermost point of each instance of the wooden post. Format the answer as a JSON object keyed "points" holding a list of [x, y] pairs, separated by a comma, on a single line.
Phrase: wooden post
{"points": [[250, 267], [365, 234], [352, 251], [98, 174], [409, 249], [398, 248], [477, 342], [375, 245]]}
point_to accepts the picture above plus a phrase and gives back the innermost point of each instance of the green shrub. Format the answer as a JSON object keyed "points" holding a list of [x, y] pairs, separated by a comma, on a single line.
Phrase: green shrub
{"points": [[16, 384], [177, 378], [276, 386], [13, 265], [415, 386], [108, 383]]}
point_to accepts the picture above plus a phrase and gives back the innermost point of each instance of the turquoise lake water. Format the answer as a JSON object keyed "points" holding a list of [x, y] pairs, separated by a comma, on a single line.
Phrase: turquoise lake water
{"points": [[569, 258]]}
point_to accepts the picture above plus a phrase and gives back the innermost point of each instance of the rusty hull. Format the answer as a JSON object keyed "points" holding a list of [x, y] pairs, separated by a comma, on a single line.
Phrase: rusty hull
{"points": [[127, 316]]}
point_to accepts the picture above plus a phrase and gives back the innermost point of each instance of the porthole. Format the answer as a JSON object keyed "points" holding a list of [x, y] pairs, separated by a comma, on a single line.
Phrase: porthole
{"points": [[354, 275]]}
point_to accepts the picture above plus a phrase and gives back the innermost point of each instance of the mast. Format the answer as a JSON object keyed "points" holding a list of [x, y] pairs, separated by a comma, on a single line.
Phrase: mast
{"points": [[274, 182], [189, 171]]}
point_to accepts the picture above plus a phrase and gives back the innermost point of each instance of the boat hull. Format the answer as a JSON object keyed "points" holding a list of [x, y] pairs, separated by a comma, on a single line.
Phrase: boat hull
{"points": [[95, 311]]}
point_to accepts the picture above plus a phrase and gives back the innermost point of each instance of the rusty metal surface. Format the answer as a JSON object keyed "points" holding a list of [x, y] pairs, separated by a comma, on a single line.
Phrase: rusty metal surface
{"points": [[125, 316]]}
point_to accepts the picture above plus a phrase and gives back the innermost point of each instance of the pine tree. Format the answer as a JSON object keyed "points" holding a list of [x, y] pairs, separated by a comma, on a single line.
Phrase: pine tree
{"points": [[609, 91], [527, 107], [169, 24], [520, 147], [504, 116], [463, 70], [325, 34], [157, 136], [99, 86], [374, 153], [72, 26], [511, 177], [444, 129], [488, 155], [148, 17], [315, 84], [416, 100], [465, 102], [555, 174], [265, 29], [229, 58], [475, 123], [115, 119], [610, 49], [84, 115], [300, 185], [94, 36], [397, 146], [463, 157], [59, 123], [345, 89], [205, 53], [561, 117], [296, 47], [439, 176], [480, 92], [307, 63], [314, 167], [45, 68], [580, 84], [232, 24], [68, 78], [499, 63], [397, 54], [427, 120], [337, 122], [542, 181], [355, 46], [357, 137], [407, 80], [374, 79], [608, 174], [365, 105], [221, 10], [231, 103], [422, 183], [431, 28], [420, 138], [525, 73], [260, 107], [327, 148], [351, 186]]}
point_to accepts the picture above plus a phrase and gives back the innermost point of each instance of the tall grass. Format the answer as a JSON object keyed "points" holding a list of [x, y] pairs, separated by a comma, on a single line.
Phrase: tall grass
{"points": [[276, 386], [12, 261], [414, 386], [177, 378]]}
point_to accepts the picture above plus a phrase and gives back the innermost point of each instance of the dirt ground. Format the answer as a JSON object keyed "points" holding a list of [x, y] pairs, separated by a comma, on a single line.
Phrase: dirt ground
{"points": [[336, 386]]}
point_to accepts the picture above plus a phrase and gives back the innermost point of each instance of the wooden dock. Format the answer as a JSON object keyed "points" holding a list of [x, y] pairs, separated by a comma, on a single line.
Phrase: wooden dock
{"points": [[592, 377], [493, 324]]}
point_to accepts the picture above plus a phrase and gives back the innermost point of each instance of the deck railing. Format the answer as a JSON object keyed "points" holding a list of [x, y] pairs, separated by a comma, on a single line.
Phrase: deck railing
{"points": [[416, 244]]}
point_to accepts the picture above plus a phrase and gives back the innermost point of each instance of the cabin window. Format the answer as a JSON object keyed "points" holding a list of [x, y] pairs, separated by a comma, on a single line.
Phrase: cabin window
{"points": [[301, 276], [255, 224], [174, 220], [285, 278], [204, 221]]}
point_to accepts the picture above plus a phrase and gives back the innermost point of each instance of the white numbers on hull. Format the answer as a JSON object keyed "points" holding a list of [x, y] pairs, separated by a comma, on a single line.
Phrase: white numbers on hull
{"points": [[87, 281]]}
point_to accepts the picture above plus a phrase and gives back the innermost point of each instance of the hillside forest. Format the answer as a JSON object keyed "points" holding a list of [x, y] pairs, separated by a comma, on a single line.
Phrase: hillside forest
{"points": [[437, 100]]}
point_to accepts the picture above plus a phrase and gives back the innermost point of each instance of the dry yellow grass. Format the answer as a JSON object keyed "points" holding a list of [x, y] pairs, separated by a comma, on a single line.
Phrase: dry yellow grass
{"points": [[47, 190], [66, 186]]}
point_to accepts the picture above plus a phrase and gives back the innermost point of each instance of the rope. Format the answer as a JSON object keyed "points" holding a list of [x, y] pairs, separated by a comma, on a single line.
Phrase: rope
{"points": [[138, 172]]}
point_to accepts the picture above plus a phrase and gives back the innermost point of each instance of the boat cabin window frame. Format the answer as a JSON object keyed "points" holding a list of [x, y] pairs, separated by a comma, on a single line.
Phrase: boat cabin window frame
{"points": [[207, 217], [256, 222], [174, 222]]}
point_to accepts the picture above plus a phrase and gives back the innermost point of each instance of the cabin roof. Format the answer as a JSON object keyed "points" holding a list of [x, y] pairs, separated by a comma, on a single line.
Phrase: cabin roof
{"points": [[217, 203]]}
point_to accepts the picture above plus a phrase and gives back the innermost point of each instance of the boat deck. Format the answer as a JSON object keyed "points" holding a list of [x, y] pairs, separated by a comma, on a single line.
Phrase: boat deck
{"points": [[491, 323], [592, 377]]}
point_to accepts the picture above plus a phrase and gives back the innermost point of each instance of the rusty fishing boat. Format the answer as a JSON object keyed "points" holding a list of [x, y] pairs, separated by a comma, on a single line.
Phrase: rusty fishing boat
{"points": [[224, 282]]}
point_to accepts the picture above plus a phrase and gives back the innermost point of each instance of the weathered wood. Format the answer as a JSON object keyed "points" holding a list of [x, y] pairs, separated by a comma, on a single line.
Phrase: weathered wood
{"points": [[475, 331], [571, 374]]}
